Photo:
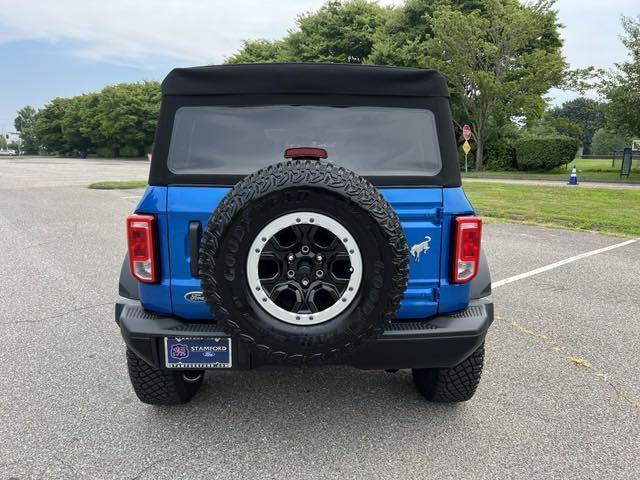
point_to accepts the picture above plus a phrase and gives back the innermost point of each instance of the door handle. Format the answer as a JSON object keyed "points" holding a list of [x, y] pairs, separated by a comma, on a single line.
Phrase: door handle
{"points": [[194, 246]]}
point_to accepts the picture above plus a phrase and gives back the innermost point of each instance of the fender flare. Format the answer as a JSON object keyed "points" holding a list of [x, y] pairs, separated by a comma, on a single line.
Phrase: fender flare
{"points": [[481, 283], [128, 285]]}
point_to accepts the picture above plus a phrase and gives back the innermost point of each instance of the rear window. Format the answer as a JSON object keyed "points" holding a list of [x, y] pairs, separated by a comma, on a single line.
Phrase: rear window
{"points": [[368, 140]]}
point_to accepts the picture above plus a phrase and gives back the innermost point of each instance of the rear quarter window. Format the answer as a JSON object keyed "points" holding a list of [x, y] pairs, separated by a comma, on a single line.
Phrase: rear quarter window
{"points": [[240, 140]]}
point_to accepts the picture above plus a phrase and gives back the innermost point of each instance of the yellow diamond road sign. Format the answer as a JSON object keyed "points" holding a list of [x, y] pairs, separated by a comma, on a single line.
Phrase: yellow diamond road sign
{"points": [[466, 148]]}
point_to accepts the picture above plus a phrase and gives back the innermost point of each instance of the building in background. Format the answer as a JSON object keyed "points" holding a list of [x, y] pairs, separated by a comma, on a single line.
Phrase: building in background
{"points": [[11, 137], [10, 143]]}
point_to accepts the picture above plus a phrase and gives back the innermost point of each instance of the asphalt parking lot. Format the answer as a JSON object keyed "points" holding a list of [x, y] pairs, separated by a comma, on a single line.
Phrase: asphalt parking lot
{"points": [[559, 397]]}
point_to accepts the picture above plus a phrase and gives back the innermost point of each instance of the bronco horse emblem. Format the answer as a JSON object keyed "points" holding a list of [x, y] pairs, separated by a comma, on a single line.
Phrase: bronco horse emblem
{"points": [[419, 248]]}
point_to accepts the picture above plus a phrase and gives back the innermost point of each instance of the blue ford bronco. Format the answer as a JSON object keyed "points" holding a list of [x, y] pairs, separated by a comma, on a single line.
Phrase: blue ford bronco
{"points": [[304, 214]]}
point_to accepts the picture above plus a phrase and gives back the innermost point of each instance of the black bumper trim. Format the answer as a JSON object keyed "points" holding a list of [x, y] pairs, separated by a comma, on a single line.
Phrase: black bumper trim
{"points": [[442, 341]]}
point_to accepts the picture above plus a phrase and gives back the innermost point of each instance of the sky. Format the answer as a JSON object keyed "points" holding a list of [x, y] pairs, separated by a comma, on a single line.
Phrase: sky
{"points": [[68, 47]]}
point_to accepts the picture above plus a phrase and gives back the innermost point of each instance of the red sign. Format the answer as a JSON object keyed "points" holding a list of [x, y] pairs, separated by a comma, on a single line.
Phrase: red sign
{"points": [[466, 132]]}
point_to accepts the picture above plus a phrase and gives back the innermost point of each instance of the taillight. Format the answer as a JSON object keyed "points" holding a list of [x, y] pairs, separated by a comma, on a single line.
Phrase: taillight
{"points": [[466, 254], [140, 236], [305, 152]]}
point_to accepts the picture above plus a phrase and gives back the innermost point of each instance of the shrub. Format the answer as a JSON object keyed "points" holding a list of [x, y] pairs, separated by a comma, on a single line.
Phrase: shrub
{"points": [[545, 153], [106, 152], [500, 155], [129, 152]]}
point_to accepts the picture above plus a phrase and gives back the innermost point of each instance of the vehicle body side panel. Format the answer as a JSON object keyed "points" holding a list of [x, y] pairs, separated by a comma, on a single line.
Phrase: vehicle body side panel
{"points": [[426, 214], [419, 210], [185, 205], [156, 297], [453, 296]]}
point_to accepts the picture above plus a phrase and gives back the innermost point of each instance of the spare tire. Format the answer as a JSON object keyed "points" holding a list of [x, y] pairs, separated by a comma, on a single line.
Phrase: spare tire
{"points": [[303, 260]]}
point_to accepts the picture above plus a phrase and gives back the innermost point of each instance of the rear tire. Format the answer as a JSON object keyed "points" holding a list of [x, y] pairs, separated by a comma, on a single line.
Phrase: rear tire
{"points": [[162, 387], [448, 385]]}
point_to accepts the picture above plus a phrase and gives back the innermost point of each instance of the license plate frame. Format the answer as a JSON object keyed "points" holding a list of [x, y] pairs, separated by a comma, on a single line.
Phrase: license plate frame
{"points": [[198, 352]]}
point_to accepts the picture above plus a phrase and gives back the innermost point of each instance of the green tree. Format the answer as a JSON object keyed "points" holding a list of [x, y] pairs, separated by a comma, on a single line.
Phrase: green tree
{"points": [[24, 124], [400, 41], [48, 126], [621, 87], [78, 123], [565, 127], [499, 63], [119, 120], [337, 32], [261, 50], [549, 126], [340, 31], [126, 116], [586, 113], [604, 142]]}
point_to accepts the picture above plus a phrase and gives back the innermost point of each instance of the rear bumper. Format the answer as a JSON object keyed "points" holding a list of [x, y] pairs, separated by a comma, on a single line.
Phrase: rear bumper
{"points": [[442, 341]]}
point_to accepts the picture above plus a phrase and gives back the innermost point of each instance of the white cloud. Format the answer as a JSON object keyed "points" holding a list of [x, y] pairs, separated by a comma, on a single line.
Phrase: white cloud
{"points": [[191, 31], [138, 32], [591, 36], [592, 29], [206, 31]]}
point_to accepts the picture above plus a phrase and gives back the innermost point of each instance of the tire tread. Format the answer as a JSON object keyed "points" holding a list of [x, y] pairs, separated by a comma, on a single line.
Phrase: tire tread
{"points": [[158, 387], [455, 384]]}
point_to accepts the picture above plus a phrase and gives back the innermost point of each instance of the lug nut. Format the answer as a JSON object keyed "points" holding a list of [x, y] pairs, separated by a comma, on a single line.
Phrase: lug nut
{"points": [[319, 273], [305, 282], [291, 274], [305, 249]]}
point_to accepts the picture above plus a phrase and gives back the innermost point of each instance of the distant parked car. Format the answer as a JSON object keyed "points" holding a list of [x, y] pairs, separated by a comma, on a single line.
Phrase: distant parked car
{"points": [[7, 153]]}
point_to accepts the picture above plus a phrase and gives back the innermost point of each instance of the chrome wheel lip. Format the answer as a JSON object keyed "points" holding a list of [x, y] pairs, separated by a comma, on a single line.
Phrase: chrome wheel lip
{"points": [[304, 218]]}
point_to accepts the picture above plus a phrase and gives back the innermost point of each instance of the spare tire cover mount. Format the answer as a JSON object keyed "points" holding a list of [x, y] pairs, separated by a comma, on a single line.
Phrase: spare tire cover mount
{"points": [[343, 290]]}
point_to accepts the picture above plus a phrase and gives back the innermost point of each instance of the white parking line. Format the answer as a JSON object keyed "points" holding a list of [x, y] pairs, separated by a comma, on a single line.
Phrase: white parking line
{"points": [[551, 266]]}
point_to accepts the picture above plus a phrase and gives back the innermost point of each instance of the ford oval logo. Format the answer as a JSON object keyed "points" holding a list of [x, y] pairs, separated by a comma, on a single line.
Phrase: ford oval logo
{"points": [[194, 297]]}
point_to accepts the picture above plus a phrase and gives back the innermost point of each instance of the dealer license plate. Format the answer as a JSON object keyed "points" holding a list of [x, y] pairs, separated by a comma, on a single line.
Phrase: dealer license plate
{"points": [[197, 353]]}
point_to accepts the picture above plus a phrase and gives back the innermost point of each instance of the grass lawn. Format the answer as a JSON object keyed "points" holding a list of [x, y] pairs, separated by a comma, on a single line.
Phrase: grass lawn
{"points": [[119, 184], [604, 210], [592, 169]]}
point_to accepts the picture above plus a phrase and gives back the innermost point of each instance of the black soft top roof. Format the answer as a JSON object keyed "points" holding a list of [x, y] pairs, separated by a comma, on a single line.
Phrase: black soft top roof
{"points": [[305, 78]]}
